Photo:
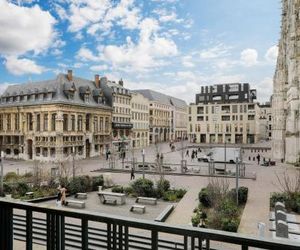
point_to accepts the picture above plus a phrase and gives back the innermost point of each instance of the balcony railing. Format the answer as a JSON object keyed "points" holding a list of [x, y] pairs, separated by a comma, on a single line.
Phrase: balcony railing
{"points": [[59, 228]]}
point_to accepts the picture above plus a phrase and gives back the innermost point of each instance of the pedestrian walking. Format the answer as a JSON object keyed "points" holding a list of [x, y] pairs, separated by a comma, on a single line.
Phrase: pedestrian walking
{"points": [[187, 153], [258, 159], [193, 155], [132, 176], [58, 199]]}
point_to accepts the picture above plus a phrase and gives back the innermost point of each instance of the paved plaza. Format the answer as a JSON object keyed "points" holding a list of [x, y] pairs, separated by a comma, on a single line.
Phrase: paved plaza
{"points": [[256, 209]]}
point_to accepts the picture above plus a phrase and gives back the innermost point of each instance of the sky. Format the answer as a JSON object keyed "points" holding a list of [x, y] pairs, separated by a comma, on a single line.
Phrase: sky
{"points": [[172, 46]]}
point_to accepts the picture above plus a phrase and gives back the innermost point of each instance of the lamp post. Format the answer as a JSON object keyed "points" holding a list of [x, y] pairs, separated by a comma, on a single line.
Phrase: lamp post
{"points": [[143, 155], [225, 156], [73, 163], [237, 180]]}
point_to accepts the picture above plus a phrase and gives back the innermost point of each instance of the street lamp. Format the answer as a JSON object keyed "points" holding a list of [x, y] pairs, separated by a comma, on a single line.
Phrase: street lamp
{"points": [[143, 155], [73, 156], [225, 156]]}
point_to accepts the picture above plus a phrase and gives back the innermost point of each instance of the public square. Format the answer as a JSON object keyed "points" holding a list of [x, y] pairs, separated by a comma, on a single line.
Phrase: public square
{"points": [[257, 208]]}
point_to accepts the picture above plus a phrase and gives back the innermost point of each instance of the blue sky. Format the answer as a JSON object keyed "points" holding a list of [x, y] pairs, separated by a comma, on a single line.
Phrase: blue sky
{"points": [[173, 46]]}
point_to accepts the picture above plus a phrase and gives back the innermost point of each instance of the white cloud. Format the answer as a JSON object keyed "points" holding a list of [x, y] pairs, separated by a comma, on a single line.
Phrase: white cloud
{"points": [[214, 52], [249, 57], [97, 68], [187, 62], [264, 89], [100, 16], [271, 54], [148, 52], [25, 29], [21, 66], [86, 54], [166, 16]]}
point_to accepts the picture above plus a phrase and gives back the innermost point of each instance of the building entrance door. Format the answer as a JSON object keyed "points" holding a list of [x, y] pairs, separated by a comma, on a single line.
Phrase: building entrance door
{"points": [[87, 148], [29, 147]]}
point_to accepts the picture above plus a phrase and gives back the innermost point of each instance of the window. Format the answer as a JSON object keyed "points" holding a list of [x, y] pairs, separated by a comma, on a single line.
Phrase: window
{"points": [[241, 117], [233, 87], [101, 124], [38, 122], [45, 122], [29, 121], [225, 118], [73, 122], [234, 108], [200, 110], [251, 117], [106, 124], [87, 122], [217, 98], [79, 123], [86, 98], [200, 118], [1, 122], [53, 124], [65, 122], [8, 117], [17, 122], [95, 124]]}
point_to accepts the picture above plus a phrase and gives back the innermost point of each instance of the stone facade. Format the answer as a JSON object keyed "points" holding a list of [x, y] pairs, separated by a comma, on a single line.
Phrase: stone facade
{"points": [[50, 120], [226, 113], [140, 120], [263, 122], [285, 100], [165, 114]]}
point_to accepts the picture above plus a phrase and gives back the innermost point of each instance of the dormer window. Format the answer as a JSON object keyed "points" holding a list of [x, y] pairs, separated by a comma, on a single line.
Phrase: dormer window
{"points": [[86, 98], [21, 98]]}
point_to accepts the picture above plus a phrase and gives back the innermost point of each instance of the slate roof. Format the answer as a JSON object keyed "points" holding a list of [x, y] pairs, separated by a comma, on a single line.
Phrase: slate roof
{"points": [[60, 88], [162, 98]]}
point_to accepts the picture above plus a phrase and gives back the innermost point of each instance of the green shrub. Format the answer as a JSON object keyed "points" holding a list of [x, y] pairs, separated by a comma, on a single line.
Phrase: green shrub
{"points": [[180, 193], [162, 186], [22, 188], [11, 177], [229, 224], [275, 197], [143, 187], [242, 195], [204, 198], [79, 184], [117, 189], [195, 219], [97, 181], [228, 209], [7, 188], [128, 190], [170, 196]]}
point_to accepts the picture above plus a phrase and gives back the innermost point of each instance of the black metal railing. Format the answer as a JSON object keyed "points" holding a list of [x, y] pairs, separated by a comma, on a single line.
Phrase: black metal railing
{"points": [[60, 228]]}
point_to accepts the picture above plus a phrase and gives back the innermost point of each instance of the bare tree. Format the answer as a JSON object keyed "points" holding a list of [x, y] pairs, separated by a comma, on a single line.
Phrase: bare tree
{"points": [[289, 184], [218, 189]]}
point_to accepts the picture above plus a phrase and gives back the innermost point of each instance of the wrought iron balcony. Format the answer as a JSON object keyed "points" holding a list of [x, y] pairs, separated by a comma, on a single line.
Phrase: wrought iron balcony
{"points": [[59, 228]]}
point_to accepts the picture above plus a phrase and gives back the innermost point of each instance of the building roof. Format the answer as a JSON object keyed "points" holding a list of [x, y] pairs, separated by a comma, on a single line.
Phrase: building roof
{"points": [[162, 98], [60, 89]]}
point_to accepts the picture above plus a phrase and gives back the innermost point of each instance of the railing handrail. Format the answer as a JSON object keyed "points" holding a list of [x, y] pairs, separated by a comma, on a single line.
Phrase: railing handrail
{"points": [[221, 236]]}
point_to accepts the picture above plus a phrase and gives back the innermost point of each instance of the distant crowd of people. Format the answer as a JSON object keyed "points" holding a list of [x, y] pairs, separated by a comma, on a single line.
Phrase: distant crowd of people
{"points": [[194, 153]]}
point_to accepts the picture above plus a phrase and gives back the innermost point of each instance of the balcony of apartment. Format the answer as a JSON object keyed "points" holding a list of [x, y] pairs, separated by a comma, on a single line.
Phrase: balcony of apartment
{"points": [[25, 225]]}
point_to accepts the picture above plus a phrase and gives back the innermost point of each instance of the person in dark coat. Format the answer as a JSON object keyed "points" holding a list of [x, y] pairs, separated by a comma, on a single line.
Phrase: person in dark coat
{"points": [[132, 176]]}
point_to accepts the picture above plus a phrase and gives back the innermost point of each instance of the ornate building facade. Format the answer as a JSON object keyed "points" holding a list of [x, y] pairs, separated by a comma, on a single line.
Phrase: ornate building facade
{"points": [[140, 120], [165, 114], [285, 100], [52, 119]]}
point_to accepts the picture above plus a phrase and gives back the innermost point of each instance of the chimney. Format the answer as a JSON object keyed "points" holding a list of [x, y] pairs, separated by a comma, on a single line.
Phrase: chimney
{"points": [[97, 81], [121, 82], [70, 75]]}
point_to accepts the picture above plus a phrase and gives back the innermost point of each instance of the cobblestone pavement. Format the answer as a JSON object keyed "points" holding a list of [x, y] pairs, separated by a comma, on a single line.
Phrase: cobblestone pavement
{"points": [[256, 209]]}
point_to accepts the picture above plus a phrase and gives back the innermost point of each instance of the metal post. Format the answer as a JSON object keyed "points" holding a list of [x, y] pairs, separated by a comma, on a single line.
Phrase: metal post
{"points": [[73, 162], [225, 157], [237, 181], [1, 177], [143, 154]]}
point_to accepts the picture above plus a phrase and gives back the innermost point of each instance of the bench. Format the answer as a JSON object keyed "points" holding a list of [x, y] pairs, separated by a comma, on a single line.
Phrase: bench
{"points": [[111, 196], [154, 200], [76, 203], [29, 195], [165, 213], [109, 201], [81, 195], [142, 208]]}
